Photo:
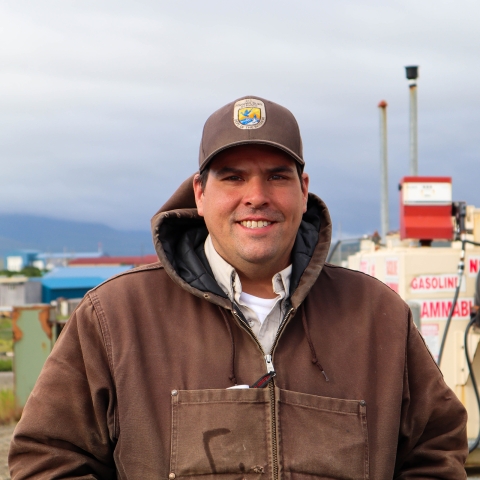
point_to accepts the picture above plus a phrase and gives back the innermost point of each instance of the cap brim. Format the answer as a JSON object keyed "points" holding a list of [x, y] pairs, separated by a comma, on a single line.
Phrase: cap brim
{"points": [[253, 141]]}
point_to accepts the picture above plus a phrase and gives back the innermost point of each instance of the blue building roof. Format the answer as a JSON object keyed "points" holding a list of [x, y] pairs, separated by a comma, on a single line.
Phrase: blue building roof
{"points": [[69, 255], [80, 277], [23, 251]]}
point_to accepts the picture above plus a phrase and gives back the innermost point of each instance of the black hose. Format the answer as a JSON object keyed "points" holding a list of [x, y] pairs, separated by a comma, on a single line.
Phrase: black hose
{"points": [[461, 267], [333, 250], [476, 442], [474, 445], [449, 321]]}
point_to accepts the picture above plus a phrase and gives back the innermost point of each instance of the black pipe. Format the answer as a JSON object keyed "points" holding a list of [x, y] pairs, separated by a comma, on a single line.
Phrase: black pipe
{"points": [[461, 267], [474, 445], [333, 250]]}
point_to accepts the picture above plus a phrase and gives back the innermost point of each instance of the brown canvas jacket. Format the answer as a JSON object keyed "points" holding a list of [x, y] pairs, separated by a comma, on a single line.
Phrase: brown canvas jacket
{"points": [[137, 385]]}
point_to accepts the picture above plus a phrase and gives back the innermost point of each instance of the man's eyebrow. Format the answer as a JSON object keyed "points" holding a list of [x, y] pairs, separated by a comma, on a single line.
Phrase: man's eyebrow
{"points": [[281, 169], [227, 170], [236, 171]]}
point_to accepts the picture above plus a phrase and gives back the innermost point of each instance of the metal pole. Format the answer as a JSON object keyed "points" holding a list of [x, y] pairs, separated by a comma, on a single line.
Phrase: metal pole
{"points": [[413, 130], [412, 75], [383, 170]]}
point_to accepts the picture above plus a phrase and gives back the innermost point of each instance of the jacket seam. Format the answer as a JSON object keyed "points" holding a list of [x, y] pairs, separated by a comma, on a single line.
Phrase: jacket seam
{"points": [[143, 268], [107, 341], [333, 410], [341, 412], [236, 402]]}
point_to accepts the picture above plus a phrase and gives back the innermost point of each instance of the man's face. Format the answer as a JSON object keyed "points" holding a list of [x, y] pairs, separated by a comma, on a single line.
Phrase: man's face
{"points": [[252, 204]]}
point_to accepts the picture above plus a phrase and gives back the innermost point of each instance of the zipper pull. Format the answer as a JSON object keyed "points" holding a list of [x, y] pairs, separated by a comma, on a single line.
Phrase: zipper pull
{"points": [[262, 382], [268, 361]]}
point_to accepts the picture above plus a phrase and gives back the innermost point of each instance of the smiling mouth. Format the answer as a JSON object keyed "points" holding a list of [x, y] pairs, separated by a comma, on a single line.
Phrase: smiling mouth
{"points": [[255, 224]]}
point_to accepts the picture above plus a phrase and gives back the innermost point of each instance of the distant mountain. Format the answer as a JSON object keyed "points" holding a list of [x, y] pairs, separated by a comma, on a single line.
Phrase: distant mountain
{"points": [[53, 235]]}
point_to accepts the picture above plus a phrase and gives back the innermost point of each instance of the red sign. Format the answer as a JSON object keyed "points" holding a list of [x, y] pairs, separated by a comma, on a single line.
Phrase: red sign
{"points": [[391, 273], [473, 265], [435, 283], [439, 309], [392, 285], [367, 267], [391, 267], [364, 266]]}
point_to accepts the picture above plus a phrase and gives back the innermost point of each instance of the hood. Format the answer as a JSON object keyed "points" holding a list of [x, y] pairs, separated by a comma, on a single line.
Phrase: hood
{"points": [[179, 234]]}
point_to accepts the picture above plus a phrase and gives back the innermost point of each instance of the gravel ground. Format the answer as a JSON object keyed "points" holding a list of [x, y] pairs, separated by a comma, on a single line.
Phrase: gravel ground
{"points": [[6, 380], [5, 437]]}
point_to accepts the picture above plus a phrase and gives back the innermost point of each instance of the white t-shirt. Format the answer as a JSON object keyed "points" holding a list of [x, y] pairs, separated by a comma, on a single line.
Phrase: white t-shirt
{"points": [[261, 306]]}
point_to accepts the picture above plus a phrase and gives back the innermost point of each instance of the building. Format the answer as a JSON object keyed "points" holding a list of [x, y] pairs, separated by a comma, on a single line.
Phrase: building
{"points": [[17, 260], [48, 261], [19, 290], [69, 282], [104, 261]]}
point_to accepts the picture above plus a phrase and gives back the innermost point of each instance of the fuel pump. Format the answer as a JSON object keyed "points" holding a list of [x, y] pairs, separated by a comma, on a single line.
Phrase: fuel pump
{"points": [[459, 212], [432, 262]]}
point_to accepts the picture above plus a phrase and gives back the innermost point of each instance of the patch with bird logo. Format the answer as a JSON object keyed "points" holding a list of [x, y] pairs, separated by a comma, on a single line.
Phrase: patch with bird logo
{"points": [[249, 113]]}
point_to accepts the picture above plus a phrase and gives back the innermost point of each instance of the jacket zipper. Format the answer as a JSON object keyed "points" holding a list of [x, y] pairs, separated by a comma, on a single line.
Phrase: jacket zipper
{"points": [[270, 368], [273, 407], [247, 327]]}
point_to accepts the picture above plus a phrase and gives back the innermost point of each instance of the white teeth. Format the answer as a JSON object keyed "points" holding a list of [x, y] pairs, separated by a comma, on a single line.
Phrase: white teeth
{"points": [[254, 224]]}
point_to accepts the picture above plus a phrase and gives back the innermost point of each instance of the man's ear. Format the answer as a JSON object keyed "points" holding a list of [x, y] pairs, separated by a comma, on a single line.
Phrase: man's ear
{"points": [[305, 183], [198, 191]]}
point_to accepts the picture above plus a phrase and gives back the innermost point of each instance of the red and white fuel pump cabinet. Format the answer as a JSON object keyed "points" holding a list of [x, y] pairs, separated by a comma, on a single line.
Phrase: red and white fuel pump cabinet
{"points": [[426, 208]]}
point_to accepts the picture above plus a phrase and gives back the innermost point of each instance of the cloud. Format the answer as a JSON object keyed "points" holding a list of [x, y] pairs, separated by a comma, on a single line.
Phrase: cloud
{"points": [[103, 102]]}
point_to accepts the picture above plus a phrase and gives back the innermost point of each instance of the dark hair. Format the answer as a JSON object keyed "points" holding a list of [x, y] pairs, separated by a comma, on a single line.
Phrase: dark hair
{"points": [[203, 176]]}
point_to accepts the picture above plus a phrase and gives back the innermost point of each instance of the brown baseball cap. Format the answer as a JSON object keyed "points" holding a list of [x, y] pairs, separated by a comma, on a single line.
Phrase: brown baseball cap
{"points": [[247, 120]]}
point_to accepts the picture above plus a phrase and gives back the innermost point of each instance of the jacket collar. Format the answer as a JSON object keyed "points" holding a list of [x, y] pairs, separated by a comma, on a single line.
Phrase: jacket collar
{"points": [[179, 234], [229, 280]]}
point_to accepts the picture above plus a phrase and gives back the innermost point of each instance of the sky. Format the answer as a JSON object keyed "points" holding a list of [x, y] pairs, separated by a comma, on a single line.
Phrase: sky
{"points": [[102, 104]]}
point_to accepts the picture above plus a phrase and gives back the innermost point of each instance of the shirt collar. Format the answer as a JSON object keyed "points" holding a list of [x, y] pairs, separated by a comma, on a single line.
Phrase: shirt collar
{"points": [[229, 281]]}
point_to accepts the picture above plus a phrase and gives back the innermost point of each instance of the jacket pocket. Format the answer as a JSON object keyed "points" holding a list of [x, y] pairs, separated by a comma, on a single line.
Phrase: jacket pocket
{"points": [[224, 433], [321, 437]]}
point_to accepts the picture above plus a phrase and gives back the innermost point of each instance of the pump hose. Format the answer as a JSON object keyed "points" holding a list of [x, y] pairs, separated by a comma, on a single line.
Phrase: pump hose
{"points": [[449, 320], [476, 442], [461, 267], [333, 250], [474, 445]]}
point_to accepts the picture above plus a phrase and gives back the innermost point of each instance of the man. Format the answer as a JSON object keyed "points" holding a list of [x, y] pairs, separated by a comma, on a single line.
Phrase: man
{"points": [[242, 354]]}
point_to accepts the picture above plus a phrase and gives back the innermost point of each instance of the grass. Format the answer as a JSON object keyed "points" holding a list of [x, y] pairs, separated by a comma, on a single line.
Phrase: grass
{"points": [[6, 336], [27, 272], [9, 412], [5, 364]]}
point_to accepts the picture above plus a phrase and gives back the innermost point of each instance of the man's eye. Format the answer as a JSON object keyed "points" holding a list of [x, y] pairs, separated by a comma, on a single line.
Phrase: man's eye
{"points": [[233, 178]]}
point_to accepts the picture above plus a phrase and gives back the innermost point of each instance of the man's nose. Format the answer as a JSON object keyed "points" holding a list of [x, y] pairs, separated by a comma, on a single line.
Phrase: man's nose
{"points": [[256, 194]]}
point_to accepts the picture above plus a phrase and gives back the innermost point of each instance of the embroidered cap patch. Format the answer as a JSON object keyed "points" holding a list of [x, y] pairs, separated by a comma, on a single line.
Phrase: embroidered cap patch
{"points": [[249, 113]]}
